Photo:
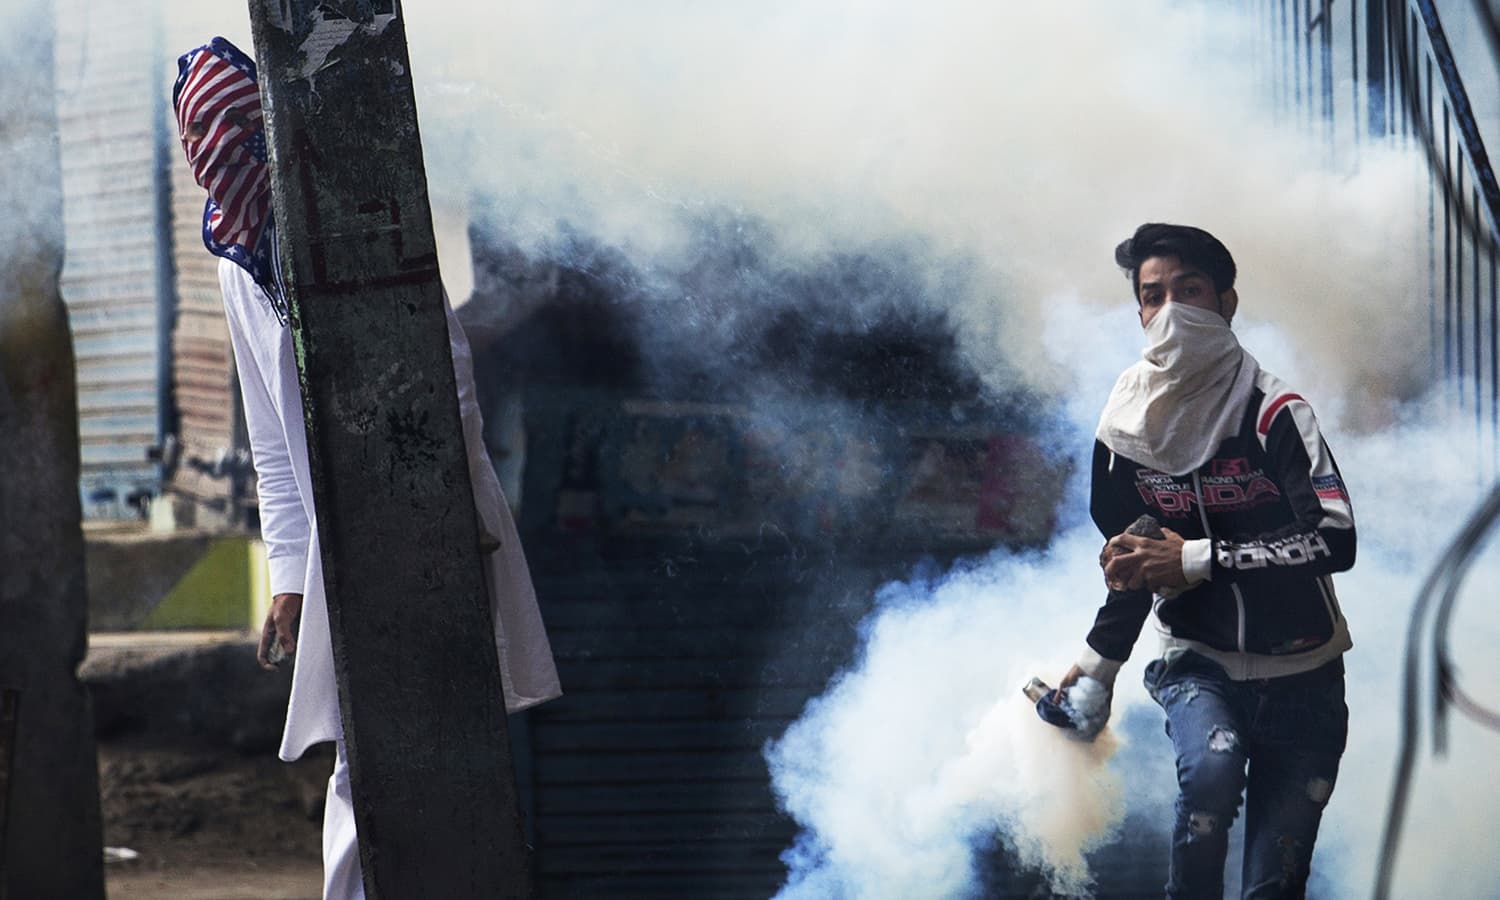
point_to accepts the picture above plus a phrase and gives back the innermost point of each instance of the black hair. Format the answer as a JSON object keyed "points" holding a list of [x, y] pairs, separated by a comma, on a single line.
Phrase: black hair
{"points": [[1194, 246]]}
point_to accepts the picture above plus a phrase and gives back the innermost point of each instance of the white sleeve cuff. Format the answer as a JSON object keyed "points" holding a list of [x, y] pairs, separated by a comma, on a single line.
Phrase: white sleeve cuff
{"points": [[1197, 560], [288, 573], [1098, 667]]}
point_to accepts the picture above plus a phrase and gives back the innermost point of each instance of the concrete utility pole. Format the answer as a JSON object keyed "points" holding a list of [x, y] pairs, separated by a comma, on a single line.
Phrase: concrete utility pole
{"points": [[419, 684], [51, 842]]}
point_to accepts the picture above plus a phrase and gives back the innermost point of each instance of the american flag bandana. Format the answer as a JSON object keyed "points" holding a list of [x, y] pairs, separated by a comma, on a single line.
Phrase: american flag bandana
{"points": [[220, 123]]}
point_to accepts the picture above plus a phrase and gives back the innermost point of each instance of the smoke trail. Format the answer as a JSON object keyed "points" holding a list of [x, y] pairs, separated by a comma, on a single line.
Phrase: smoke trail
{"points": [[926, 747], [925, 750]]}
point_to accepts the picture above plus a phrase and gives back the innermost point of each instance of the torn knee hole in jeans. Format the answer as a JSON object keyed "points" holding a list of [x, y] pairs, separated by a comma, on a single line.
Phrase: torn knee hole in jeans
{"points": [[1222, 739], [1202, 824], [1187, 691]]}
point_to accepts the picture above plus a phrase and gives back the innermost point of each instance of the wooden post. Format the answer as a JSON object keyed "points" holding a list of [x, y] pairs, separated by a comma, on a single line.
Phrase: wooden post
{"points": [[52, 845], [418, 678]]}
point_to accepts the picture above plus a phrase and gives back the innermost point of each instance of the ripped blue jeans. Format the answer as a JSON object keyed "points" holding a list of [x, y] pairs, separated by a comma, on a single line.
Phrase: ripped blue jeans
{"points": [[1276, 742]]}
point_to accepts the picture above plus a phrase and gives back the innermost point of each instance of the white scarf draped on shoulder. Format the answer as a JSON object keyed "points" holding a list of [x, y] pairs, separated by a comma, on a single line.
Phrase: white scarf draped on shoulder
{"points": [[1173, 409]]}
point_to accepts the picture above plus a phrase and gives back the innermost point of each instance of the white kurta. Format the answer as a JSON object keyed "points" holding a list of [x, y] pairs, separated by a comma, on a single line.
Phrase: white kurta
{"points": [[273, 413]]}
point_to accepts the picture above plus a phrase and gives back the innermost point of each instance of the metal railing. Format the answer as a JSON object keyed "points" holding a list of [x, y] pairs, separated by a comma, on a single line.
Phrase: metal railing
{"points": [[1435, 602], [1384, 70], [1406, 86]]}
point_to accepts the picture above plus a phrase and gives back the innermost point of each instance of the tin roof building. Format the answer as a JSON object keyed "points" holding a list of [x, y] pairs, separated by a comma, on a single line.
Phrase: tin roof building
{"points": [[158, 409]]}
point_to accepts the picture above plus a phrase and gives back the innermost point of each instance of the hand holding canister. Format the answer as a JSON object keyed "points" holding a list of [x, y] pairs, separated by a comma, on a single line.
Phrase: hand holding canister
{"points": [[1081, 710]]}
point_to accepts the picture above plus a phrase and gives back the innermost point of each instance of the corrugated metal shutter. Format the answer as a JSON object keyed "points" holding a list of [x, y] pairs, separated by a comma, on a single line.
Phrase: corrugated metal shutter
{"points": [[113, 279], [647, 775], [679, 661]]}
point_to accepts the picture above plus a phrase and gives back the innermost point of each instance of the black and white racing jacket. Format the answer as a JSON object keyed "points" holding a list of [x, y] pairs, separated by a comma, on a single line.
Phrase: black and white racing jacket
{"points": [[1268, 522]]}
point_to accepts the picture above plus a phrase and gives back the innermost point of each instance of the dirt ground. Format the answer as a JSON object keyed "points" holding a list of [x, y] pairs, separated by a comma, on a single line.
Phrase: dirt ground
{"points": [[208, 881], [209, 821]]}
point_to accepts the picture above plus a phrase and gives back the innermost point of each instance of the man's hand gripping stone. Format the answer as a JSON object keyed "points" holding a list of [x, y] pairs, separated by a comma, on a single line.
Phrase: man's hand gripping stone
{"points": [[1145, 555], [278, 636]]}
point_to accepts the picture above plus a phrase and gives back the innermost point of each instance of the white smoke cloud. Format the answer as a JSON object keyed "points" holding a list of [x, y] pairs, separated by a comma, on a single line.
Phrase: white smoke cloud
{"points": [[926, 746], [1030, 137]]}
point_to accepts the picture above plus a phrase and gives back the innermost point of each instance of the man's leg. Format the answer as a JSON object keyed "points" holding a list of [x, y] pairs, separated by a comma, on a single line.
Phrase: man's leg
{"points": [[1205, 725], [1301, 728], [342, 878]]}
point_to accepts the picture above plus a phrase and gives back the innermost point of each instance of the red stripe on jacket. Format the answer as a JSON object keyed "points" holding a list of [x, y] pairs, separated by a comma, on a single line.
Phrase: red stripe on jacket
{"points": [[1265, 420]]}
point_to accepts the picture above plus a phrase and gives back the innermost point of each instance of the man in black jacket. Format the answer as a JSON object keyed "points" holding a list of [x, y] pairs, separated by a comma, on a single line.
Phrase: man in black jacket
{"points": [[1256, 519]]}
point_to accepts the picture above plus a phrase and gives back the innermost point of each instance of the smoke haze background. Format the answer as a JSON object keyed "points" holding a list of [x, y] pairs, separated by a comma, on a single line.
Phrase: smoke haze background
{"points": [[25, 140], [1015, 145], [1024, 143]]}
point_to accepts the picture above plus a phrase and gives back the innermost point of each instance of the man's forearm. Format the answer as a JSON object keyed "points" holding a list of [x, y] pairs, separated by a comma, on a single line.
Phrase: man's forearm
{"points": [[1117, 625]]}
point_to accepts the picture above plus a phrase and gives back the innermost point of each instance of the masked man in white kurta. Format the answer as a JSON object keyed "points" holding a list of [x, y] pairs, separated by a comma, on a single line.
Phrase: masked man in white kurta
{"points": [[219, 118]]}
